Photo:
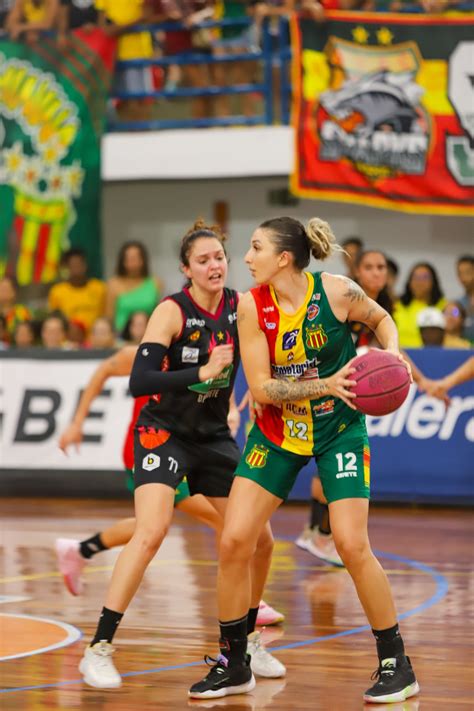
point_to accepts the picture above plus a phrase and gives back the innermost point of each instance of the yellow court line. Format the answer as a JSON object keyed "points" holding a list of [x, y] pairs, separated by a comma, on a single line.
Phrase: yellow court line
{"points": [[171, 561]]}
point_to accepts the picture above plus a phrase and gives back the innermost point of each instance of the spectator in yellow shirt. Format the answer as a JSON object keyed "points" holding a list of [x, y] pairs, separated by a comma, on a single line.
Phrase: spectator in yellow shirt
{"points": [[28, 18], [78, 298], [422, 289], [115, 18]]}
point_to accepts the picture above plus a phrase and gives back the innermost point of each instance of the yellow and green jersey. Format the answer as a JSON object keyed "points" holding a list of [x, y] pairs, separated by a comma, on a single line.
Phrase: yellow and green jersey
{"points": [[310, 343]]}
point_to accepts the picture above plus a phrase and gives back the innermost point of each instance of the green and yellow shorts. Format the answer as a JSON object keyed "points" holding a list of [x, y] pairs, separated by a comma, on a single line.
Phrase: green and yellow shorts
{"points": [[182, 490], [343, 464]]}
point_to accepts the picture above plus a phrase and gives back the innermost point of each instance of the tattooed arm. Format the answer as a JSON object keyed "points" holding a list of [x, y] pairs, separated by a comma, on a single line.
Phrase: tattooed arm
{"points": [[256, 363]]}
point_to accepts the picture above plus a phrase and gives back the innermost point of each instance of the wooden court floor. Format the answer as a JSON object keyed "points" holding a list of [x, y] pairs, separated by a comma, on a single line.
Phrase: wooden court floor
{"points": [[328, 652]]}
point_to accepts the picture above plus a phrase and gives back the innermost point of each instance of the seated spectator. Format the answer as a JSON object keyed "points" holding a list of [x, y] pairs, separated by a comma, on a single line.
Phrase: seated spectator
{"points": [[102, 335], [53, 331], [5, 8], [432, 326], [183, 41], [455, 317], [9, 308], [74, 15], [24, 335], [422, 289], [28, 18], [354, 246], [393, 271], [465, 270], [76, 334], [135, 328], [4, 339], [132, 288], [79, 297], [116, 17]]}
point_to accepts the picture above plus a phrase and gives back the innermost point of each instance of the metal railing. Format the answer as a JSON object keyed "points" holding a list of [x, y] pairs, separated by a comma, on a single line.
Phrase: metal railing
{"points": [[266, 56]]}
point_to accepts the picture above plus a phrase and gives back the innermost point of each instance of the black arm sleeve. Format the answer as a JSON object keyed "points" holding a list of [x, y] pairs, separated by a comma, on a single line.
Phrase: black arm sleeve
{"points": [[146, 377]]}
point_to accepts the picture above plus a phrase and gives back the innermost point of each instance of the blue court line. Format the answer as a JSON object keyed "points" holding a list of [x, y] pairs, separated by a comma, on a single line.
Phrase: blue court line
{"points": [[442, 588]]}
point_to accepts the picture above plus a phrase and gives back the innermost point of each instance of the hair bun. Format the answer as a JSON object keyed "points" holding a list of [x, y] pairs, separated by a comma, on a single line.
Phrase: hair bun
{"points": [[321, 239]]}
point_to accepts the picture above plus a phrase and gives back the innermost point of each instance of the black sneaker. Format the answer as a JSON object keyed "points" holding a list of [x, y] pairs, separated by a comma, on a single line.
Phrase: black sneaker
{"points": [[223, 680], [396, 681]]}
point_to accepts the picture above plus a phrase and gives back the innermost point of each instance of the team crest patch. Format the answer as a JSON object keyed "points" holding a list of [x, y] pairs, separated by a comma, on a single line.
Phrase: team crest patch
{"points": [[150, 462], [313, 311], [316, 337], [151, 438], [257, 457], [194, 336]]}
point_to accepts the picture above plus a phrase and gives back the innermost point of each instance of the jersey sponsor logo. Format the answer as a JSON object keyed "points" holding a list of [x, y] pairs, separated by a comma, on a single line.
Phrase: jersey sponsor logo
{"points": [[316, 337], [221, 381], [151, 438], [192, 322], [205, 396], [298, 410], [257, 457], [150, 462], [194, 336], [323, 408], [313, 311], [297, 370], [145, 352], [289, 339], [190, 355], [290, 356], [316, 297], [270, 325], [268, 309], [232, 317]]}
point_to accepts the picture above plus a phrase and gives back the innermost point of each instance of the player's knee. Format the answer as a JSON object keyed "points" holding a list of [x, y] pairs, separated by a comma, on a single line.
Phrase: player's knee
{"points": [[265, 545], [150, 539], [235, 546], [352, 549]]}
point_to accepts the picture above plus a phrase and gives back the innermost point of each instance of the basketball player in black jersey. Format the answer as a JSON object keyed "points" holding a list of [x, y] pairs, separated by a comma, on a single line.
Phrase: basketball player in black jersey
{"points": [[187, 363]]}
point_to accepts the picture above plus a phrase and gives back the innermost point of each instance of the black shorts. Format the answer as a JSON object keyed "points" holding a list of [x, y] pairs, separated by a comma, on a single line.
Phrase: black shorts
{"points": [[162, 457]]}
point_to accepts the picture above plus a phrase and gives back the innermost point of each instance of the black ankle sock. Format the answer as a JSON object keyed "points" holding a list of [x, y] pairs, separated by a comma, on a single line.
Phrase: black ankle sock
{"points": [[389, 642], [314, 515], [108, 623], [252, 619], [233, 641], [324, 524], [91, 546]]}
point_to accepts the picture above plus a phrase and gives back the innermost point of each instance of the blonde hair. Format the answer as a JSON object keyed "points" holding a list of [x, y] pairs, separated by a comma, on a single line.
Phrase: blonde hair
{"points": [[322, 242]]}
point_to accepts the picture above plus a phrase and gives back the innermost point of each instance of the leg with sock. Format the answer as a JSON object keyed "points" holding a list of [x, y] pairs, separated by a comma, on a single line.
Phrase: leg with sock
{"points": [[231, 672], [395, 677], [96, 665]]}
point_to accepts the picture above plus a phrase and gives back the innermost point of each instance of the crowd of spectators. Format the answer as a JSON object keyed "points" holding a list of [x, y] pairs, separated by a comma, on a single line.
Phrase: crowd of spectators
{"points": [[26, 19], [84, 312]]}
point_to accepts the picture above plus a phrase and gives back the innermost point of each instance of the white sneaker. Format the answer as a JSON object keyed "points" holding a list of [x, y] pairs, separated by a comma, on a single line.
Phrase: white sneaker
{"points": [[322, 546], [97, 667], [304, 538], [70, 563], [262, 662]]}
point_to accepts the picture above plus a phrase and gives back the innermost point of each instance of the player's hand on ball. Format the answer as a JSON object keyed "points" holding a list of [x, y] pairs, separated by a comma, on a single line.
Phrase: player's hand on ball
{"points": [[340, 384], [400, 357], [71, 435], [220, 358]]}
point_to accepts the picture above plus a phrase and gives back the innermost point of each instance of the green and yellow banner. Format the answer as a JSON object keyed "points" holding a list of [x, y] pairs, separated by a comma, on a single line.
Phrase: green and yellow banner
{"points": [[52, 114], [383, 111]]}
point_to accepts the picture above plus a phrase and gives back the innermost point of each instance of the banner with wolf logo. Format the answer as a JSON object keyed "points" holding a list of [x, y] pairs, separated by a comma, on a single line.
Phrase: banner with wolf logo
{"points": [[52, 114], [383, 111]]}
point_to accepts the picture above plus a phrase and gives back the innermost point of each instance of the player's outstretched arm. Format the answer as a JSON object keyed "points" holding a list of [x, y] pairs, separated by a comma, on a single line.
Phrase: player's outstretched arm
{"points": [[119, 363], [440, 388]]}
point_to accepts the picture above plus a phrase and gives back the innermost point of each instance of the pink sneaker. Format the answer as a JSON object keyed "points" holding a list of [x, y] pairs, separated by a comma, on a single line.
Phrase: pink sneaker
{"points": [[70, 563], [268, 616]]}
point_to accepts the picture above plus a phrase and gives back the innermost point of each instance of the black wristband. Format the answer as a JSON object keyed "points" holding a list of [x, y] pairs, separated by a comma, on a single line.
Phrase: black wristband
{"points": [[147, 378]]}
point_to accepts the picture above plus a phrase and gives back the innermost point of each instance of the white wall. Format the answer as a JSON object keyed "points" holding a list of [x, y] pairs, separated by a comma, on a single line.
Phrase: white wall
{"points": [[160, 212]]}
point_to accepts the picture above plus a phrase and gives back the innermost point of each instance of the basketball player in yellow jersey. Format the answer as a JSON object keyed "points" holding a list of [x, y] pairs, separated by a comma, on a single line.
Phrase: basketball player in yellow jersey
{"points": [[296, 350]]}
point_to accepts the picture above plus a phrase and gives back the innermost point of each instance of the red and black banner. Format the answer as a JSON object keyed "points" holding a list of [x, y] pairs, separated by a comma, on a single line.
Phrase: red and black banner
{"points": [[383, 111]]}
